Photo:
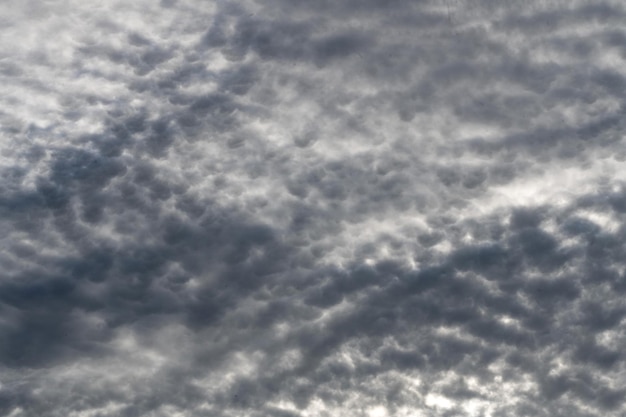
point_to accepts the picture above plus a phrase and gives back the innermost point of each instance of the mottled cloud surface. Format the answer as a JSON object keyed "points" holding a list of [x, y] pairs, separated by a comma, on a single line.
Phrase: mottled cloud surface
{"points": [[312, 208]]}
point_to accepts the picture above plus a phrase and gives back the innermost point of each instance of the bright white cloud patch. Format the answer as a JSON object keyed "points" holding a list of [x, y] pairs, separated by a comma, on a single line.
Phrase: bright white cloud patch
{"points": [[294, 208]]}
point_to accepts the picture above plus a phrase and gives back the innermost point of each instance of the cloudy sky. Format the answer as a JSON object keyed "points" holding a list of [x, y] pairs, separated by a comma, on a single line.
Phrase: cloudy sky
{"points": [[318, 208]]}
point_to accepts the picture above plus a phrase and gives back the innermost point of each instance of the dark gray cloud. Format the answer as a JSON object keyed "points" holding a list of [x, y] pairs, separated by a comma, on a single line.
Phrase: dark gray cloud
{"points": [[295, 208]]}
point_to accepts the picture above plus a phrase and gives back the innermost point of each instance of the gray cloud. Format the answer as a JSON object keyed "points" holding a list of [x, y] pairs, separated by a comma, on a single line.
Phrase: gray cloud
{"points": [[312, 208]]}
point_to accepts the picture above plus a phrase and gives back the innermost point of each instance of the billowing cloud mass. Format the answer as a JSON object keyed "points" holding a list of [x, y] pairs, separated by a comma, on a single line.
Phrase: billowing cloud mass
{"points": [[312, 208]]}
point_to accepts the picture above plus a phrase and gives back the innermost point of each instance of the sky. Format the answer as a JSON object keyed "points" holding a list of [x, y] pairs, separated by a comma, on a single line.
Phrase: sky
{"points": [[319, 208]]}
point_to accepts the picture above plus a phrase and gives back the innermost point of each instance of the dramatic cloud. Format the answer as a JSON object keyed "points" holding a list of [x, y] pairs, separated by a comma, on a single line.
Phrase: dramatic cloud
{"points": [[312, 208]]}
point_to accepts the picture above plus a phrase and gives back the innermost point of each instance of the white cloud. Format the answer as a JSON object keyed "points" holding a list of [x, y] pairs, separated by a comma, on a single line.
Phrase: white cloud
{"points": [[287, 208]]}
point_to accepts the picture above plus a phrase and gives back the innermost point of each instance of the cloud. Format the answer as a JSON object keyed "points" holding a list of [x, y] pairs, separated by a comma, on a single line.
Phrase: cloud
{"points": [[312, 208]]}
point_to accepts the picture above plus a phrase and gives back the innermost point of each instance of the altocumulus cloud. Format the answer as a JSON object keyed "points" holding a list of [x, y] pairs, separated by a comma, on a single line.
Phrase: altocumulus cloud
{"points": [[312, 208]]}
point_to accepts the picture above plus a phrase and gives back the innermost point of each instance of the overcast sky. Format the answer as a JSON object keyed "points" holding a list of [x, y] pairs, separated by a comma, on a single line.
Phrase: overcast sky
{"points": [[312, 208]]}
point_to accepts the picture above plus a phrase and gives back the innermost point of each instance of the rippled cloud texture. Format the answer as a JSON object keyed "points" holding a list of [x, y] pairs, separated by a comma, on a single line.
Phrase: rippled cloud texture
{"points": [[312, 208]]}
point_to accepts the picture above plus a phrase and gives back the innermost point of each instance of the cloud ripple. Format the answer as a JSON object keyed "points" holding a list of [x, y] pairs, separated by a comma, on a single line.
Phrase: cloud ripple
{"points": [[297, 208]]}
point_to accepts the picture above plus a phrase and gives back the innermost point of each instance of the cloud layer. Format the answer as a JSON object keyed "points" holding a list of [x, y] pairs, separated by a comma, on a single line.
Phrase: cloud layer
{"points": [[293, 208]]}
